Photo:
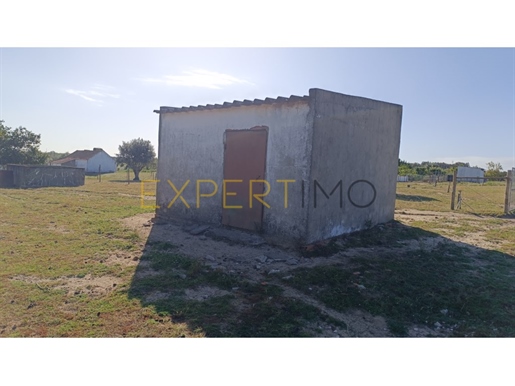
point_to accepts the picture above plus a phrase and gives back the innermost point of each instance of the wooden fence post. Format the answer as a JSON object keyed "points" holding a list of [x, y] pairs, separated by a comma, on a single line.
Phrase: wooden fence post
{"points": [[507, 198], [454, 182]]}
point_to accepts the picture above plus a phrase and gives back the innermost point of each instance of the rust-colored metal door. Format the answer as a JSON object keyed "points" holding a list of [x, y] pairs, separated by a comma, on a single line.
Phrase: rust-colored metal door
{"points": [[244, 160]]}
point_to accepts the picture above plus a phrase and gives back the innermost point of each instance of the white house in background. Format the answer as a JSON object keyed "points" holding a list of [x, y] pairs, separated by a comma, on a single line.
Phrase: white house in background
{"points": [[92, 161], [470, 174]]}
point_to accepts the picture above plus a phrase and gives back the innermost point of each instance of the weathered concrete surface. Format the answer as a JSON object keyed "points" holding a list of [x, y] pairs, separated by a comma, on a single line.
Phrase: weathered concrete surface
{"points": [[354, 139], [191, 147], [6, 179], [471, 173], [327, 138], [37, 176]]}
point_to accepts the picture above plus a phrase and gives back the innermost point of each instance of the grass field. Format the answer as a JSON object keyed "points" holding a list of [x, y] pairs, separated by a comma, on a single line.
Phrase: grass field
{"points": [[70, 267], [483, 199]]}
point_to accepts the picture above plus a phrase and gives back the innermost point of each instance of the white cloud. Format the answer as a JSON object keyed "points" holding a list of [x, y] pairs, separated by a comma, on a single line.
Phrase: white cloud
{"points": [[97, 93], [198, 78]]}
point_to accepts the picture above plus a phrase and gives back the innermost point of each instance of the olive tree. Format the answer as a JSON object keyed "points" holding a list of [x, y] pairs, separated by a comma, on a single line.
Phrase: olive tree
{"points": [[135, 154]]}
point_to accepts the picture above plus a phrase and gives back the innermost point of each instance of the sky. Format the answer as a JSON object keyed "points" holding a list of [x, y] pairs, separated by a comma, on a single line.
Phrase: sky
{"points": [[458, 103]]}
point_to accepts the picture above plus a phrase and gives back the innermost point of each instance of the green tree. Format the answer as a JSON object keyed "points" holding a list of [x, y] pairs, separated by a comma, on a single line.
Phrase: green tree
{"points": [[20, 146], [494, 170], [421, 171], [53, 155], [135, 154]]}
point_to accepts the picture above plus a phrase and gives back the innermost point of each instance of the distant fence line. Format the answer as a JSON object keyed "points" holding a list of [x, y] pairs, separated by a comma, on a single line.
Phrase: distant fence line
{"points": [[422, 178], [444, 178]]}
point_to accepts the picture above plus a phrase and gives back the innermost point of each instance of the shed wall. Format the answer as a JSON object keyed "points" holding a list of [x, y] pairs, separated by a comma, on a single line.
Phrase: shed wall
{"points": [[470, 174], [37, 176], [354, 139], [6, 179], [191, 148], [102, 159]]}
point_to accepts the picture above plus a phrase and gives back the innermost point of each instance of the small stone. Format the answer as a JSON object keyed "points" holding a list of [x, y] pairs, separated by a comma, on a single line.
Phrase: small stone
{"points": [[292, 261], [287, 277], [182, 275], [416, 329], [198, 230], [210, 258], [262, 258], [438, 325], [361, 287], [272, 271], [444, 311], [257, 266], [235, 288]]}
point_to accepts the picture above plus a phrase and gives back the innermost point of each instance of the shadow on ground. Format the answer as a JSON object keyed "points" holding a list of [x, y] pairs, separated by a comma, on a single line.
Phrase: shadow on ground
{"points": [[411, 197], [390, 280]]}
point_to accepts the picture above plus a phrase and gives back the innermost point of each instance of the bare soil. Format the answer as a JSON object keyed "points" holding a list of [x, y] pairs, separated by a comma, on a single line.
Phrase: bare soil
{"points": [[257, 262], [93, 286], [455, 220]]}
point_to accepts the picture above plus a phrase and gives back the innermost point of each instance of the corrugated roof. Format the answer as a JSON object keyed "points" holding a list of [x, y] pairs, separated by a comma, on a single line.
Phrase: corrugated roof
{"points": [[246, 102]]}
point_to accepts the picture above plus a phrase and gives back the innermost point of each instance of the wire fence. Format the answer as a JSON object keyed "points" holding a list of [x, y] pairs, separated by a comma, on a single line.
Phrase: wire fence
{"points": [[486, 198], [481, 198]]}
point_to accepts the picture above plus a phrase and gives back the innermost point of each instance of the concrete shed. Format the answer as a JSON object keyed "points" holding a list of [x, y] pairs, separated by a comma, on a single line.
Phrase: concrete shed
{"points": [[466, 174], [38, 176], [306, 168]]}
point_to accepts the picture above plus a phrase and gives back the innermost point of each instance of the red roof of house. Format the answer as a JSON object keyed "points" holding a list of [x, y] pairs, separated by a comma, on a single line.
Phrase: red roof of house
{"points": [[78, 154]]}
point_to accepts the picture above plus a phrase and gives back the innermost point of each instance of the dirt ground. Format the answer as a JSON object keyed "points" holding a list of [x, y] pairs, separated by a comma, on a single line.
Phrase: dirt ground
{"points": [[450, 220], [250, 257]]}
